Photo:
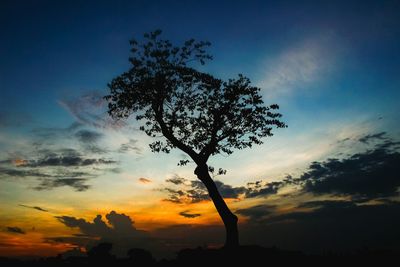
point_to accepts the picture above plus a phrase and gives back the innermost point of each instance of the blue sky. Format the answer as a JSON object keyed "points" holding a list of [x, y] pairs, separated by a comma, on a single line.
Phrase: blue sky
{"points": [[333, 66]]}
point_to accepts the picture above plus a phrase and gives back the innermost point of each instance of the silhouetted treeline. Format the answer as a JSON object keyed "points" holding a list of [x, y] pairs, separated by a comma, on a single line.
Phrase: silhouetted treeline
{"points": [[244, 255]]}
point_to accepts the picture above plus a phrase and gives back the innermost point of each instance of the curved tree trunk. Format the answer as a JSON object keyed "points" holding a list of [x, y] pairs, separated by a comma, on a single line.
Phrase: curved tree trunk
{"points": [[230, 220]]}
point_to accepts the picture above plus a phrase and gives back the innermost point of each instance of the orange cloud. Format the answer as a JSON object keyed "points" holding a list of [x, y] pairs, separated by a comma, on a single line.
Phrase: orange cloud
{"points": [[31, 244], [19, 162]]}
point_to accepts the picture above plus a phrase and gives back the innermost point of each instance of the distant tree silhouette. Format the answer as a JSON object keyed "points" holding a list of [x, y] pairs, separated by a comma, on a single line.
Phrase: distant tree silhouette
{"points": [[195, 112], [101, 252], [141, 256]]}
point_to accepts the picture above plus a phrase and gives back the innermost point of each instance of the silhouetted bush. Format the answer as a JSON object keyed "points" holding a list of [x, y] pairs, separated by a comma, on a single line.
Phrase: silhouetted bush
{"points": [[140, 256]]}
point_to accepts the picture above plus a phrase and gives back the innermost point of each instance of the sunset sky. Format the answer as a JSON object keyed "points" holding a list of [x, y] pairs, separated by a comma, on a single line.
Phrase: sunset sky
{"points": [[332, 66]]}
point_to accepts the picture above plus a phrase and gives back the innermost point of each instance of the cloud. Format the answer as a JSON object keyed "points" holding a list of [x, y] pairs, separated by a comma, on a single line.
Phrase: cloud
{"points": [[88, 136], [366, 175], [119, 231], [131, 145], [76, 183], [65, 161], [33, 207], [257, 212], [15, 230], [176, 180], [43, 173], [50, 137], [89, 139], [90, 109], [298, 66], [121, 225], [144, 180], [327, 204], [378, 136], [55, 172], [260, 189], [189, 215], [195, 191], [11, 172]]}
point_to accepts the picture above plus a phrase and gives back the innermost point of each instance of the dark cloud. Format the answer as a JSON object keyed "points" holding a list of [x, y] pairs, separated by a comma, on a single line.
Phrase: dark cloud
{"points": [[174, 195], [12, 172], [42, 174], [90, 109], [89, 141], [228, 191], [131, 145], [96, 228], [373, 137], [54, 171], [15, 230], [263, 189], [54, 166], [195, 191], [327, 226], [144, 180], [119, 231], [49, 137], [78, 184], [65, 161], [365, 175], [88, 136], [258, 212], [327, 204], [176, 180], [33, 207], [189, 215], [121, 225]]}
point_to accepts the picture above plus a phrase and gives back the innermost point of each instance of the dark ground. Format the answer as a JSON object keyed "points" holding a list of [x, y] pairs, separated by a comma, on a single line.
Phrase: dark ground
{"points": [[242, 256]]}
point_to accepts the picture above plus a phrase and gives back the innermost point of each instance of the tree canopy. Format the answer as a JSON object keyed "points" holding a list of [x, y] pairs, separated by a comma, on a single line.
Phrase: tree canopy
{"points": [[196, 112]]}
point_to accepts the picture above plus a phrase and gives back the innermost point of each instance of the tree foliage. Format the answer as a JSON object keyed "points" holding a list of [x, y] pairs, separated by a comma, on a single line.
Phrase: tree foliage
{"points": [[196, 112]]}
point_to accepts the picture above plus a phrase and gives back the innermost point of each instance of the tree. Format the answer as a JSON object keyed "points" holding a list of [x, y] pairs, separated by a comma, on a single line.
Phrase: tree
{"points": [[191, 110]]}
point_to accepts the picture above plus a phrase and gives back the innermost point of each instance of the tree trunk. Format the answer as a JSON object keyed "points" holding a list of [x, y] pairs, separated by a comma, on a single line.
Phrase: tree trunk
{"points": [[230, 220]]}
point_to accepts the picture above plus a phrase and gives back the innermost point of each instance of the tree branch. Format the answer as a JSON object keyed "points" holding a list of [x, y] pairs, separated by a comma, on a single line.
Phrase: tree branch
{"points": [[158, 109]]}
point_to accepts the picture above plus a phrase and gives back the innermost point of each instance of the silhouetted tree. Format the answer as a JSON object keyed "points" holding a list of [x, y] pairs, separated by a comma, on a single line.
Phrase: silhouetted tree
{"points": [[101, 252], [195, 112], [141, 256]]}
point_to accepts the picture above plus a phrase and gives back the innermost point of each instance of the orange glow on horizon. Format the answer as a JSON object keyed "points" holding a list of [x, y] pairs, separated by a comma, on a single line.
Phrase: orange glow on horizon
{"points": [[19, 162], [30, 244]]}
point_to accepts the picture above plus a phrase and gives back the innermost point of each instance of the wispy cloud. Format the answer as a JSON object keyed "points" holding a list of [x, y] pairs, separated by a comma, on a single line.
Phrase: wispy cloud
{"points": [[33, 207], [90, 109], [298, 66], [15, 230], [131, 145], [189, 215], [144, 180], [78, 184], [56, 168]]}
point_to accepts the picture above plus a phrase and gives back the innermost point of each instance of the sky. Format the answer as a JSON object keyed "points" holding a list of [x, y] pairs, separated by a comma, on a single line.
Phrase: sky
{"points": [[70, 176]]}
